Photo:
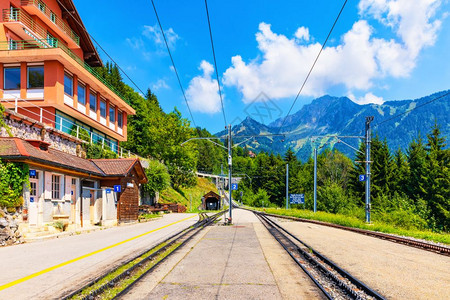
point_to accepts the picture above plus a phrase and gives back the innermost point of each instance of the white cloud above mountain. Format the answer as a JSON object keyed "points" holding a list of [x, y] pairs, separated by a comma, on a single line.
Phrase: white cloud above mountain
{"points": [[357, 62], [202, 93]]}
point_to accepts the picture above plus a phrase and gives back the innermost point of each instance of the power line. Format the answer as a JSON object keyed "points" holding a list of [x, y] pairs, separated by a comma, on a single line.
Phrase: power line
{"points": [[100, 46], [411, 109], [312, 67], [215, 63], [173, 63]]}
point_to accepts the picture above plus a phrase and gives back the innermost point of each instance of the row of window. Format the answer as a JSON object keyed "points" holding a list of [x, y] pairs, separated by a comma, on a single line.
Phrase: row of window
{"points": [[35, 78], [83, 97], [69, 125]]}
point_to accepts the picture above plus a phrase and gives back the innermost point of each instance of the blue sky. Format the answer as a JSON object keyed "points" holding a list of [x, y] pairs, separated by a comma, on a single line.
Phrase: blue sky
{"points": [[380, 50]]}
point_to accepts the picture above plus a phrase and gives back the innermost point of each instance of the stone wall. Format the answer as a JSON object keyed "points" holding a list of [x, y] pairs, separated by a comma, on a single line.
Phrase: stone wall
{"points": [[25, 128], [9, 228]]}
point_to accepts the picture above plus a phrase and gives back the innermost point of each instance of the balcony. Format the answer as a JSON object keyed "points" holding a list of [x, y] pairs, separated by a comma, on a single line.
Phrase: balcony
{"points": [[22, 24], [40, 9], [38, 44]]}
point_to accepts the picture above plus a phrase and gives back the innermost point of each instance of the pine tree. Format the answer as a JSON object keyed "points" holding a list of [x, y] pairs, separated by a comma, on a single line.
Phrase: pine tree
{"points": [[437, 183], [416, 156], [400, 173], [357, 187], [381, 168]]}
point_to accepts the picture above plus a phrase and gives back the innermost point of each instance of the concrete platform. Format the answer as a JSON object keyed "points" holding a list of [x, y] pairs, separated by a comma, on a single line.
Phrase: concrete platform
{"points": [[229, 262], [49, 269]]}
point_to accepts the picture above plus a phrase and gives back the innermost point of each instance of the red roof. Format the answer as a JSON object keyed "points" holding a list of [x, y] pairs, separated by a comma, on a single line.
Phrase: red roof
{"points": [[16, 148]]}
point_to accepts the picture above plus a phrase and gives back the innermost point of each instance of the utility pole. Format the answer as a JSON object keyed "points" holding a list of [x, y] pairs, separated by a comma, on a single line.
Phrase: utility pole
{"points": [[287, 186], [315, 179], [368, 141], [230, 162]]}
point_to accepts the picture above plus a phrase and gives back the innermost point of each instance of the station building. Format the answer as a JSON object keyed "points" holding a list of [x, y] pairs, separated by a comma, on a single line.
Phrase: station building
{"points": [[54, 97]]}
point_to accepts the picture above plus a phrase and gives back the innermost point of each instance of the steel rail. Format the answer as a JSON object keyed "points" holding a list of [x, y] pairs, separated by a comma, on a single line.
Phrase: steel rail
{"points": [[282, 234], [341, 271], [204, 220], [384, 236]]}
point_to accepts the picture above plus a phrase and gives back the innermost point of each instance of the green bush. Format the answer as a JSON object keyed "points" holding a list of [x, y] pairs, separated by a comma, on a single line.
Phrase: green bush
{"points": [[13, 177], [96, 151]]}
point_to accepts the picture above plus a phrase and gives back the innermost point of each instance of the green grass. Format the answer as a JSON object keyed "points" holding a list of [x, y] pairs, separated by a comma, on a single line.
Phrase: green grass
{"points": [[111, 293], [115, 273], [182, 196], [358, 223], [147, 216]]}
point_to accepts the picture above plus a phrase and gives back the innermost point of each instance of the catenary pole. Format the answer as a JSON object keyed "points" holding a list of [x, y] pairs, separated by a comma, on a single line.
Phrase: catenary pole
{"points": [[315, 179], [230, 162], [287, 186], [368, 141]]}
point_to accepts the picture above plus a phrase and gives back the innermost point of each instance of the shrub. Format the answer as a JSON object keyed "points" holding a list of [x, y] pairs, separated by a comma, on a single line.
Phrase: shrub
{"points": [[13, 177]]}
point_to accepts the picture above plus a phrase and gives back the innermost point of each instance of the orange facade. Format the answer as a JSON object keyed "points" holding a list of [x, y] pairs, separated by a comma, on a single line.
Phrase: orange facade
{"points": [[46, 69]]}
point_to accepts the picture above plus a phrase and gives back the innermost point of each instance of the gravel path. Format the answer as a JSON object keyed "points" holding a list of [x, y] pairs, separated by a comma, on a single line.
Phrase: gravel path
{"points": [[396, 271]]}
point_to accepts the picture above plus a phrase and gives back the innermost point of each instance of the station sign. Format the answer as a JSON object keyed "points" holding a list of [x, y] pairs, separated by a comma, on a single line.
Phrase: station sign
{"points": [[118, 188], [362, 177], [32, 172], [108, 191], [297, 198], [234, 186]]}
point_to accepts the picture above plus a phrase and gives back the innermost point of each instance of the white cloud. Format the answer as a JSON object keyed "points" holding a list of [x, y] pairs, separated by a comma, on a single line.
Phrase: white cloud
{"points": [[202, 93], [159, 85], [302, 33], [135, 43], [356, 63], [366, 99], [154, 33]]}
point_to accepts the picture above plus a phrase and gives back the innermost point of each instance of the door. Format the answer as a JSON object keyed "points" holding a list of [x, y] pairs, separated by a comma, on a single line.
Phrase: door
{"points": [[33, 210], [73, 200]]}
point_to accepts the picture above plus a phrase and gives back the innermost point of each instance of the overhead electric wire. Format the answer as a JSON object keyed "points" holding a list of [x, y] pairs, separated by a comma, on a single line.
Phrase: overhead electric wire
{"points": [[100, 46], [120, 68], [411, 109], [312, 67], [215, 62], [173, 63]]}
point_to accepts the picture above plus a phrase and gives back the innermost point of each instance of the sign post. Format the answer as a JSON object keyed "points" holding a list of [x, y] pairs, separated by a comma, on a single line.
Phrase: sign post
{"points": [[297, 198]]}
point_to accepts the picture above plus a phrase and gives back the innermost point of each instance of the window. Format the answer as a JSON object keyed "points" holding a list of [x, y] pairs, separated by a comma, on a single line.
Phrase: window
{"points": [[36, 77], [41, 6], [56, 192], [12, 45], [51, 40], [93, 101], [53, 17], [12, 78], [112, 114], [97, 137], [120, 119], [81, 93], [33, 185], [68, 84], [74, 181], [103, 108], [65, 123]]}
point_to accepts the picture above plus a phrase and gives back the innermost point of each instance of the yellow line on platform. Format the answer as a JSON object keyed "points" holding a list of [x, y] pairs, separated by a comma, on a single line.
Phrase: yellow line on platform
{"points": [[12, 283]]}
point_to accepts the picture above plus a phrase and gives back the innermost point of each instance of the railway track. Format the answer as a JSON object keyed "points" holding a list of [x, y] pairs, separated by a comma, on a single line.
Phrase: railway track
{"points": [[334, 282], [118, 281], [384, 236]]}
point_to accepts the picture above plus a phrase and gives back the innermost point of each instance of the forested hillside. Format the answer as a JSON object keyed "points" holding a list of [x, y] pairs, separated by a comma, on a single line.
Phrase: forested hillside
{"points": [[410, 189], [157, 135]]}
